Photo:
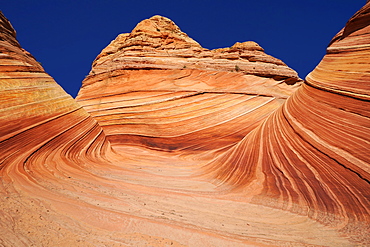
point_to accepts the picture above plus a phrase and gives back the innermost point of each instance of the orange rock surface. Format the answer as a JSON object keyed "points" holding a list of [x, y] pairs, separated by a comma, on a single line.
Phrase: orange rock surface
{"points": [[179, 150], [158, 88]]}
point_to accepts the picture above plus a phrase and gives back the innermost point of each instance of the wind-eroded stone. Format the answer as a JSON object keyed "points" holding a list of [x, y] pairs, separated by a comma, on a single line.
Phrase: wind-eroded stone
{"points": [[252, 167], [311, 155], [158, 88], [158, 43]]}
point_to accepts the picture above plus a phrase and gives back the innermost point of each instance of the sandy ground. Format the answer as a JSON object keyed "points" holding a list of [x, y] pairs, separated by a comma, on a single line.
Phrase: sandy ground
{"points": [[144, 198]]}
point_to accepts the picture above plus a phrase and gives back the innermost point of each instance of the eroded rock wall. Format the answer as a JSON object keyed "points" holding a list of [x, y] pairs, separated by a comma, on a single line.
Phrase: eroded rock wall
{"points": [[35, 109], [288, 171], [156, 87], [311, 155]]}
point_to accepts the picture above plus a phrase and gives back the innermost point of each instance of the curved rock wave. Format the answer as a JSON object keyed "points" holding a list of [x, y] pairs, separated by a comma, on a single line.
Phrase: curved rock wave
{"points": [[248, 169], [311, 155], [156, 87], [34, 109]]}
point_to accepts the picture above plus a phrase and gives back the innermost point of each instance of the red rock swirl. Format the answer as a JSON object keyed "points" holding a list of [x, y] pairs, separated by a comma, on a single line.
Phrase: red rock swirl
{"points": [[311, 155], [158, 88], [178, 145]]}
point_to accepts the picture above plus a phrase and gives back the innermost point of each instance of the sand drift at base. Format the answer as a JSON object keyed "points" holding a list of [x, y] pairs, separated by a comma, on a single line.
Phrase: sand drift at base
{"points": [[171, 144]]}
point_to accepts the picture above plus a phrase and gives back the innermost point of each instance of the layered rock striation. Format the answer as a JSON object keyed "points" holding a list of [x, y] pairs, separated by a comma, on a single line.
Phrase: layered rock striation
{"points": [[34, 109], [158, 43], [158, 88], [253, 166], [311, 155], [44, 136]]}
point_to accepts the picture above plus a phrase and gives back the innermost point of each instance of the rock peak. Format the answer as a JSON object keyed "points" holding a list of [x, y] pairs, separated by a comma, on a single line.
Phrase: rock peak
{"points": [[158, 43], [248, 46], [162, 30], [7, 32], [157, 23]]}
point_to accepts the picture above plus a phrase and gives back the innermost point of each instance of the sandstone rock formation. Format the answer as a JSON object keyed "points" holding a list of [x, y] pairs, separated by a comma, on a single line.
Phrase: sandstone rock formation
{"points": [[34, 109], [298, 174], [159, 88], [311, 156]]}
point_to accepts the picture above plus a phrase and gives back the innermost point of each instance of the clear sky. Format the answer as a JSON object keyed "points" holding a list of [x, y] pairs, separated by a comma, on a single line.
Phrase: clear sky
{"points": [[66, 36]]}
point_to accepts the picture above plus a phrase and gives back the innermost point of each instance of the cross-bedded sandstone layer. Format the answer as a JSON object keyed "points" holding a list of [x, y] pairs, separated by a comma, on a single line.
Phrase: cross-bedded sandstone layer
{"points": [[311, 156], [158, 88], [299, 176], [36, 114]]}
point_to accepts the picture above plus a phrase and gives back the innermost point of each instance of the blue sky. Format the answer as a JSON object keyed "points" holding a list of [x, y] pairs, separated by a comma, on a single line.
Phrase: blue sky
{"points": [[66, 36]]}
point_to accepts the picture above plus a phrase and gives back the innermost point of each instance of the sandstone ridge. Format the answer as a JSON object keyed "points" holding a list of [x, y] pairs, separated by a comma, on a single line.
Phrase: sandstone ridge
{"points": [[319, 135], [158, 43], [186, 156], [159, 88]]}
